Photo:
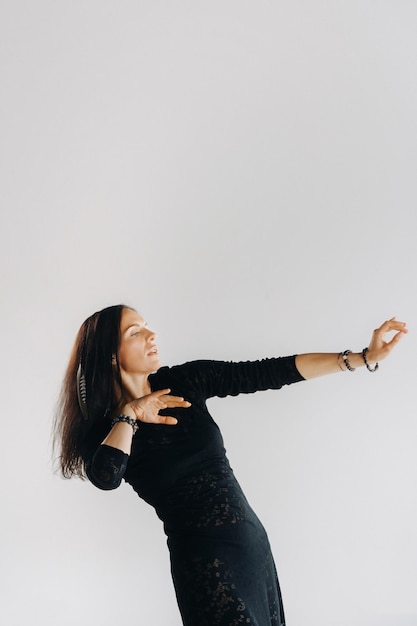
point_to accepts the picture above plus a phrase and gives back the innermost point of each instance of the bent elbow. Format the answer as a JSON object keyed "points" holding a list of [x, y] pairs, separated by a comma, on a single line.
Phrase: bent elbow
{"points": [[107, 467], [105, 480]]}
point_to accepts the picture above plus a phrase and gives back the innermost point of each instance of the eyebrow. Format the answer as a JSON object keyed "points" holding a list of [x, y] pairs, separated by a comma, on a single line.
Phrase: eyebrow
{"points": [[133, 325]]}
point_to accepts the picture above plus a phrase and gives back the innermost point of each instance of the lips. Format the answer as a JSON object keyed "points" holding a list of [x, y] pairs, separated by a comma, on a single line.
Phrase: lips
{"points": [[153, 352]]}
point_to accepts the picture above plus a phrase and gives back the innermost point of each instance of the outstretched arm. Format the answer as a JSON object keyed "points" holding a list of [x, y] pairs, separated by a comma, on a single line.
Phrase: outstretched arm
{"points": [[319, 364]]}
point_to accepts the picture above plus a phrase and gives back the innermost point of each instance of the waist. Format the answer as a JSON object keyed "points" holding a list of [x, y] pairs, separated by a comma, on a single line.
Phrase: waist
{"points": [[209, 499]]}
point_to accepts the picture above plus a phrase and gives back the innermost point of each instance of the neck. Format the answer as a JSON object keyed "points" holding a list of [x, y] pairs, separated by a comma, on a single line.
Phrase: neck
{"points": [[135, 386]]}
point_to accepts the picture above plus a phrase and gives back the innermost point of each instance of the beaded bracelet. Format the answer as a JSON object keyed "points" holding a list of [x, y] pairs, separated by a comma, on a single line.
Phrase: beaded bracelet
{"points": [[346, 360], [368, 367], [128, 420]]}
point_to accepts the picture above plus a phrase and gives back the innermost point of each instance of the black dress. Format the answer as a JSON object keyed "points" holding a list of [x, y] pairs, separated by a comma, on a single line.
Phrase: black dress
{"points": [[221, 562]]}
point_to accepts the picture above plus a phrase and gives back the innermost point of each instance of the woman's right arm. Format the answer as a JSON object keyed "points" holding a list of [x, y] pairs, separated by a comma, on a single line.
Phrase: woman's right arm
{"points": [[108, 464], [120, 437]]}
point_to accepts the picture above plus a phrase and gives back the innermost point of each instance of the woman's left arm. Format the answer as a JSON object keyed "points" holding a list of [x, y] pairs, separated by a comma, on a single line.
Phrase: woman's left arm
{"points": [[319, 364]]}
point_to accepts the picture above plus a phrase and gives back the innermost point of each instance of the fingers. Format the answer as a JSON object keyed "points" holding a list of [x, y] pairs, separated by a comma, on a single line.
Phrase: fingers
{"points": [[168, 420], [175, 401], [159, 392], [389, 326], [169, 401], [147, 408], [392, 324], [396, 338], [379, 348]]}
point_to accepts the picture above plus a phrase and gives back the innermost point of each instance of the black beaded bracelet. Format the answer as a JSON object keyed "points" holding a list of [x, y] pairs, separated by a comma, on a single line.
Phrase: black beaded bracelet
{"points": [[346, 360], [128, 420], [339, 357], [368, 367]]}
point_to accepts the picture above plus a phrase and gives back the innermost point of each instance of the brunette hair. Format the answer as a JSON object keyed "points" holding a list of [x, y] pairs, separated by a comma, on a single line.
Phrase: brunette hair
{"points": [[95, 352]]}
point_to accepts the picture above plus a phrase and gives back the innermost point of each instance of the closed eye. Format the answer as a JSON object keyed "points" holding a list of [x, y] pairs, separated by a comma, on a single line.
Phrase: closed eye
{"points": [[139, 330], [135, 329]]}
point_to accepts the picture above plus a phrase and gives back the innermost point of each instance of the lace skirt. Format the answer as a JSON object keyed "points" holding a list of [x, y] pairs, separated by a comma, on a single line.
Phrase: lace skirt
{"points": [[221, 562]]}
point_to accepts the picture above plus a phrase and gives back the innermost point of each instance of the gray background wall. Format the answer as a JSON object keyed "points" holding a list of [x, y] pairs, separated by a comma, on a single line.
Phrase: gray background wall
{"points": [[244, 174]]}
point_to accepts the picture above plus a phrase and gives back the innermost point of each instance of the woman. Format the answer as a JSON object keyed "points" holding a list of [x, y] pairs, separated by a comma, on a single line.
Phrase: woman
{"points": [[121, 415]]}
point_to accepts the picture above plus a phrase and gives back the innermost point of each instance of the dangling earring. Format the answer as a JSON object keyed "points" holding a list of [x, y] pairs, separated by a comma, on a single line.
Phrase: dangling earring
{"points": [[82, 391]]}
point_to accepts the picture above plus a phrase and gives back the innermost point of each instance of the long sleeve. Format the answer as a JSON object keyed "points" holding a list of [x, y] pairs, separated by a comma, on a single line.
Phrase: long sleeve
{"points": [[225, 378], [107, 466], [161, 454]]}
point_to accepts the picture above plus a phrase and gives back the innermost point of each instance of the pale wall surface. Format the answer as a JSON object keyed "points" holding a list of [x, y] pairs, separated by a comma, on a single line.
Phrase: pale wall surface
{"points": [[244, 174]]}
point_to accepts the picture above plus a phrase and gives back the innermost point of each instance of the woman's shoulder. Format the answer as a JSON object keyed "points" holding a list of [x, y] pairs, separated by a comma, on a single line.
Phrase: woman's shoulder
{"points": [[182, 374], [181, 370]]}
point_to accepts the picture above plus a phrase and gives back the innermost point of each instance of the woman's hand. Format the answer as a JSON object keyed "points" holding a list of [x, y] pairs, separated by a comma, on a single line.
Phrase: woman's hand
{"points": [[378, 348], [146, 409]]}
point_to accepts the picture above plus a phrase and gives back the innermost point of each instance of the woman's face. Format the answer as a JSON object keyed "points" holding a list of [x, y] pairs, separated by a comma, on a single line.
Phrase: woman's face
{"points": [[138, 352]]}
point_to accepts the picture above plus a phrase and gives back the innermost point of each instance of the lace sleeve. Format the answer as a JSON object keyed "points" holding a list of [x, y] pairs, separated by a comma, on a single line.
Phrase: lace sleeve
{"points": [[107, 467]]}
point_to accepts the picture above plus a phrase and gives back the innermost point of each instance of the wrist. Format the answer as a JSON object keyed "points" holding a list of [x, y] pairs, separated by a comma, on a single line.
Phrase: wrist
{"points": [[367, 359], [370, 355], [128, 410], [349, 361], [125, 419]]}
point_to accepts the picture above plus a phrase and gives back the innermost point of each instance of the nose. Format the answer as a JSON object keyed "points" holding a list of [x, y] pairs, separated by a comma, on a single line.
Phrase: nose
{"points": [[151, 335]]}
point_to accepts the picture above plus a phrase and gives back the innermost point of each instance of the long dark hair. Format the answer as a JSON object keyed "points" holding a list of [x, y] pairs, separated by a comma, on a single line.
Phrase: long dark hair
{"points": [[95, 357]]}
